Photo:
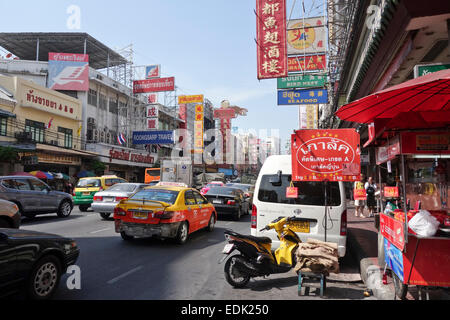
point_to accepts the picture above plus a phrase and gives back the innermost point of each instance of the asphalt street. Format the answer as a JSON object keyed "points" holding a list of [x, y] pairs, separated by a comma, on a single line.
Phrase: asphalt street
{"points": [[151, 269]]}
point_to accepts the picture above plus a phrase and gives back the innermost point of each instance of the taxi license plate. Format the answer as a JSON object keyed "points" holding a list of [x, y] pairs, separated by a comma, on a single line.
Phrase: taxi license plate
{"points": [[228, 248], [140, 215], [86, 193], [301, 227]]}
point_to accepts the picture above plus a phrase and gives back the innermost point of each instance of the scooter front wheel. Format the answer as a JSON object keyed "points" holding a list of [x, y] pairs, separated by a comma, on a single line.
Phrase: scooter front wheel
{"points": [[234, 276]]}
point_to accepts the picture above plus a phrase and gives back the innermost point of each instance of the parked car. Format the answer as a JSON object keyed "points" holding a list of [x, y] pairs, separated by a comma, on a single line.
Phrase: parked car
{"points": [[228, 201], [213, 184], [106, 201], [34, 197], [9, 215], [270, 203], [33, 262], [164, 212], [86, 188], [248, 190]]}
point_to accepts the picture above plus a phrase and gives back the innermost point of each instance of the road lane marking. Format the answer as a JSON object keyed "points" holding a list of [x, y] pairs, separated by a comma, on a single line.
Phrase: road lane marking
{"points": [[98, 231], [126, 274], [227, 224]]}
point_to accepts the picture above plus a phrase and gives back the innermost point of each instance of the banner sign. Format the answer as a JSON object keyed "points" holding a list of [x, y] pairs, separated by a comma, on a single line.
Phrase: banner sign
{"points": [[393, 230], [307, 81], [319, 155], [155, 137], [182, 113], [199, 128], [296, 97], [68, 71], [191, 99], [224, 113], [394, 259], [152, 72], [152, 123], [306, 36], [423, 70], [154, 85], [152, 111], [359, 194], [308, 63], [426, 142], [153, 98], [389, 151], [271, 39], [391, 192]]}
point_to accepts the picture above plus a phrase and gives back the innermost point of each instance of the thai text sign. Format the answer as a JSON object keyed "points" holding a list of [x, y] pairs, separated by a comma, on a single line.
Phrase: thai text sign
{"points": [[359, 194], [271, 38], [154, 85], [426, 142], [131, 157], [306, 81], [306, 36], [68, 71], [191, 99], [296, 97], [332, 155], [153, 137], [393, 230], [308, 63]]}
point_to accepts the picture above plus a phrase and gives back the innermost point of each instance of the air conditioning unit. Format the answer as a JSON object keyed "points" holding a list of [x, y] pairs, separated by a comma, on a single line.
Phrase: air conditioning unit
{"points": [[108, 138], [95, 135]]}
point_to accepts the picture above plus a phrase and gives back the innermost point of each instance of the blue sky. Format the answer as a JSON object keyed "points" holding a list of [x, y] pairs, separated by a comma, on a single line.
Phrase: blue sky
{"points": [[207, 45]]}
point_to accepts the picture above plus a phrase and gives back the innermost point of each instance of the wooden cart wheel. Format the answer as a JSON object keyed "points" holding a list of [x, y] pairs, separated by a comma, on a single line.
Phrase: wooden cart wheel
{"points": [[401, 289]]}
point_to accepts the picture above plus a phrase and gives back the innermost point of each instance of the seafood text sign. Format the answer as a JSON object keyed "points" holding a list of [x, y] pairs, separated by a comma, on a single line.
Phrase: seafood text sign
{"points": [[326, 155]]}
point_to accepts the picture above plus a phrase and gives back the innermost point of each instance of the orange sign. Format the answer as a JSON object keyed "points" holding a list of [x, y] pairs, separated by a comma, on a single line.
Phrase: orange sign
{"points": [[191, 99], [391, 192]]}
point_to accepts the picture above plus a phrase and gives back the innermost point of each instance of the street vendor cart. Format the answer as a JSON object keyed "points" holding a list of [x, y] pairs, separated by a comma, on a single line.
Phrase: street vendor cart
{"points": [[409, 124]]}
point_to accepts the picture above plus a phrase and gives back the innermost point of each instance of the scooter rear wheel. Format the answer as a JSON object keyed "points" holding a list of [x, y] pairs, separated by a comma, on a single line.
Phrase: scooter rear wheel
{"points": [[233, 276]]}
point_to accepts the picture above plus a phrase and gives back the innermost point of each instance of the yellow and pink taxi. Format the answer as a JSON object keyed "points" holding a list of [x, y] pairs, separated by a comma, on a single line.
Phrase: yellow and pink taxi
{"points": [[164, 211]]}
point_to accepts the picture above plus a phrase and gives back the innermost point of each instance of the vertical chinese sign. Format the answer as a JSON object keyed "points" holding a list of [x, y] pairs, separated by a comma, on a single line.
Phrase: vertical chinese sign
{"points": [[152, 117], [199, 127], [271, 39]]}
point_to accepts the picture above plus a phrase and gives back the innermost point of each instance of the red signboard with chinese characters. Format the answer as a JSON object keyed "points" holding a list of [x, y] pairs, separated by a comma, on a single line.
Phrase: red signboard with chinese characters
{"points": [[391, 192], [309, 63], [326, 155], [154, 85], [271, 38]]}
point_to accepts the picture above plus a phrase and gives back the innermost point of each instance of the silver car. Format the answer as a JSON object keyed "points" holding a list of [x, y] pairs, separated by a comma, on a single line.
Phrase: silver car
{"points": [[106, 201], [34, 197]]}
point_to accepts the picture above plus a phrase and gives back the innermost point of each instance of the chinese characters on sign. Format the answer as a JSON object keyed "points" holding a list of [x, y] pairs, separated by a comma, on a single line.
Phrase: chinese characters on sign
{"points": [[309, 117], [295, 97], [319, 155], [306, 36], [309, 63], [271, 38], [199, 128], [152, 117]]}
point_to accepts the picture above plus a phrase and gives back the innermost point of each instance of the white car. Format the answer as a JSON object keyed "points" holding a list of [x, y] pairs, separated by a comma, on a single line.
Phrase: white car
{"points": [[270, 202], [106, 201]]}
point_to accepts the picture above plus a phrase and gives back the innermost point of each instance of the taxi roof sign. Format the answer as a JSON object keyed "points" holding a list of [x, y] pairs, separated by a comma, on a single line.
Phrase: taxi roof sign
{"points": [[172, 184]]}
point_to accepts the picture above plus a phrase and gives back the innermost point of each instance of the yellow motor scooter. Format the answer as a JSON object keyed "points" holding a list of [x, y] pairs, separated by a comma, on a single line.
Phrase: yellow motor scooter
{"points": [[256, 257]]}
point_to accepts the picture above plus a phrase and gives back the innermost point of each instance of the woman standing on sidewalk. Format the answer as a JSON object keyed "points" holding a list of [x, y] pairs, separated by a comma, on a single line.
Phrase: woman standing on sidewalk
{"points": [[371, 189], [359, 203]]}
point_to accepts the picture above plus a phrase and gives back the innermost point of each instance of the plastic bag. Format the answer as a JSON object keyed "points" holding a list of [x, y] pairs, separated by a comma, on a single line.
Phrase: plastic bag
{"points": [[424, 224], [390, 207]]}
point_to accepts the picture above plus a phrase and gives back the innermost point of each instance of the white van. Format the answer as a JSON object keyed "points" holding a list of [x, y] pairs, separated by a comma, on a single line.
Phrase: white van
{"points": [[270, 203]]}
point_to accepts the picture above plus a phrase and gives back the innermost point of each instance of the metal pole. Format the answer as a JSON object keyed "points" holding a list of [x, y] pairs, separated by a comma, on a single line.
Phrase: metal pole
{"points": [[404, 196], [85, 46], [37, 50]]}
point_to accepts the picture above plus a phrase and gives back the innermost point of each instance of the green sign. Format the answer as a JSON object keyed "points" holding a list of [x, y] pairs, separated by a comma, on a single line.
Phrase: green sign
{"points": [[306, 81], [423, 70]]}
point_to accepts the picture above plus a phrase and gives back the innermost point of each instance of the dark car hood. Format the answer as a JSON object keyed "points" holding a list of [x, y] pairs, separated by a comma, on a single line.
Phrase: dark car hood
{"points": [[26, 234]]}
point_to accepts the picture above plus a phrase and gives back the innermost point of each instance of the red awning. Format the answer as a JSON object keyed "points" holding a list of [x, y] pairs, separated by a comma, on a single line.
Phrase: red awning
{"points": [[424, 95]]}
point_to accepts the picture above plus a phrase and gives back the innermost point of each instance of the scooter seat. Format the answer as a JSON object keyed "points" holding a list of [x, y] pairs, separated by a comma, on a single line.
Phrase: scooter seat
{"points": [[264, 240]]}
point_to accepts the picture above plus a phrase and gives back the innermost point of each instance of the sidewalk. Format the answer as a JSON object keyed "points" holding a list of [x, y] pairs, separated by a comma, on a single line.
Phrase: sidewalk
{"points": [[363, 246]]}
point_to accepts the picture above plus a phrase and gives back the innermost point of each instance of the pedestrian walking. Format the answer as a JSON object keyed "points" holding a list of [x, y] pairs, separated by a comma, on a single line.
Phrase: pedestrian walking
{"points": [[360, 197], [371, 189]]}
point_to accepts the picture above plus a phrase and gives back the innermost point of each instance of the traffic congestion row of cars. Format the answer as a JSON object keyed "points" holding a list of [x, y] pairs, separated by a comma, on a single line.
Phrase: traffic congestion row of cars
{"points": [[32, 263]]}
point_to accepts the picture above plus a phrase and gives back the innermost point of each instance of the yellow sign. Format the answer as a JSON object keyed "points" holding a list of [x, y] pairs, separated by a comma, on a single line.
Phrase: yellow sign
{"points": [[191, 99], [199, 128]]}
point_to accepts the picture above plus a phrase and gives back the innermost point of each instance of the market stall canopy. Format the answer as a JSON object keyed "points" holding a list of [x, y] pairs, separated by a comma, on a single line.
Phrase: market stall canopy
{"points": [[424, 95]]}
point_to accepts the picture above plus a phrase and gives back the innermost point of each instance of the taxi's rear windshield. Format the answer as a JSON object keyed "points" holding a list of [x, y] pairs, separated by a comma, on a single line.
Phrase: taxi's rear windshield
{"points": [[309, 193], [89, 183], [166, 196]]}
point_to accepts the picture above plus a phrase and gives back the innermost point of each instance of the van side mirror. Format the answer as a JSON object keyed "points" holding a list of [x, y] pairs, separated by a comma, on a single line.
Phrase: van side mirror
{"points": [[276, 180]]}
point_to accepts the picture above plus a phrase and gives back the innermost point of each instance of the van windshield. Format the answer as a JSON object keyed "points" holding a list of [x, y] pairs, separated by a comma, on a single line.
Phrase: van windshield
{"points": [[309, 193]]}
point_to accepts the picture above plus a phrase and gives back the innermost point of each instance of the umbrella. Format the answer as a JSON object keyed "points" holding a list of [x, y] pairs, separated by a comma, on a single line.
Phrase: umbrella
{"points": [[42, 175], [425, 95], [23, 174], [85, 174]]}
